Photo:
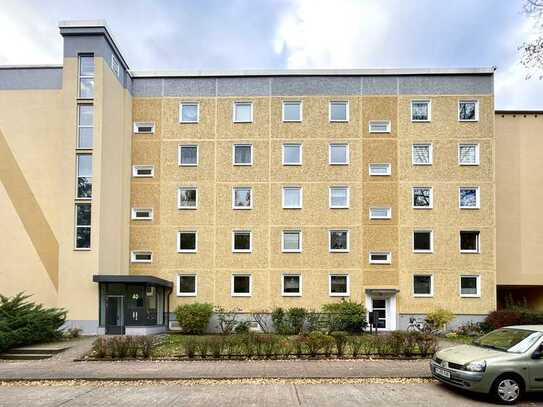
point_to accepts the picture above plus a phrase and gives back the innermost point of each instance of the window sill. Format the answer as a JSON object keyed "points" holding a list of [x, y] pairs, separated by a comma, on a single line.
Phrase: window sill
{"points": [[187, 122], [241, 295], [423, 295], [242, 251], [420, 121], [469, 252], [292, 164], [188, 165], [187, 208], [470, 208], [291, 251], [423, 207], [469, 296], [338, 251], [82, 249], [186, 294], [291, 295], [187, 251], [422, 164], [423, 251], [339, 294]]}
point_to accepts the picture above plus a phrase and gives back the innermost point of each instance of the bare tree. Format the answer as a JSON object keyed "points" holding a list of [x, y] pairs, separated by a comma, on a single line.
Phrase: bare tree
{"points": [[532, 50]]}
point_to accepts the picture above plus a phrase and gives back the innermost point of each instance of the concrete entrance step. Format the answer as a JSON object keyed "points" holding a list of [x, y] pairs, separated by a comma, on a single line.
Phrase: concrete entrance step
{"points": [[38, 350], [25, 356]]}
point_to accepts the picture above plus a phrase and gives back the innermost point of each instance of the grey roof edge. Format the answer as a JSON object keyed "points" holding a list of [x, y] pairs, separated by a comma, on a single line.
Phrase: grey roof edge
{"points": [[519, 111], [313, 72], [94, 27], [126, 278], [44, 66]]}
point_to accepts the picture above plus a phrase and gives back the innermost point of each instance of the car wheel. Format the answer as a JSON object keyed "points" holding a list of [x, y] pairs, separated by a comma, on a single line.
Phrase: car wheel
{"points": [[507, 389]]}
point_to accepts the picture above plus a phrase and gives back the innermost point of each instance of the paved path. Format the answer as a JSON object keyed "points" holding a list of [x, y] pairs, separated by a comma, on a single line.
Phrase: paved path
{"points": [[283, 395]]}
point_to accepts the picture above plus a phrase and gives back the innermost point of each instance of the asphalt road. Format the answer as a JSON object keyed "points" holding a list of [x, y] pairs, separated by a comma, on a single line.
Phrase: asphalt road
{"points": [[283, 394]]}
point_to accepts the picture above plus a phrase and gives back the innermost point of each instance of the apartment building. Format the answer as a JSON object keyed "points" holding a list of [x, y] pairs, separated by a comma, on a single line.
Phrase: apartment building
{"points": [[126, 193]]}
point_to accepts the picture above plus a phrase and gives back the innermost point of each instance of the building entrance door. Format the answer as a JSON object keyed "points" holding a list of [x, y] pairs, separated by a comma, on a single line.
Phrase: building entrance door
{"points": [[380, 311], [114, 315]]}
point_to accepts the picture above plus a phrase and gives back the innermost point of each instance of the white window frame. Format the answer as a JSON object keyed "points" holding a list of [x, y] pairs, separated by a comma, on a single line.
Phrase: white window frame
{"points": [[347, 293], [477, 154], [283, 293], [476, 101], [477, 198], [245, 231], [347, 250], [348, 204], [299, 145], [232, 277], [380, 252], [84, 126], [133, 256], [388, 126], [431, 294], [135, 169], [378, 174], [241, 102], [478, 250], [77, 176], [137, 126], [80, 76], [180, 147], [478, 279], [388, 215], [346, 103], [299, 250], [430, 153], [431, 197], [115, 67], [179, 250], [191, 294], [301, 191], [77, 226], [429, 102], [136, 210], [234, 199], [431, 232], [189, 103], [300, 103], [179, 189], [347, 153], [234, 154]]}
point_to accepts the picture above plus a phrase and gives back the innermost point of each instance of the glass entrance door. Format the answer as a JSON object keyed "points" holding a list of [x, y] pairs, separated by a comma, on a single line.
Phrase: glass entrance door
{"points": [[114, 315], [379, 307], [135, 305]]}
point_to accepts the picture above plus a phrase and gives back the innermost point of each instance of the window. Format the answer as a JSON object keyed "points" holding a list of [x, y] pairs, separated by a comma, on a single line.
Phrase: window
{"points": [[470, 286], [380, 258], [469, 241], [339, 111], [243, 112], [291, 241], [186, 285], [422, 241], [187, 198], [187, 242], [86, 76], [85, 125], [292, 111], [338, 285], [422, 154], [243, 154], [242, 241], [379, 126], [338, 240], [468, 110], [242, 198], [144, 127], [241, 285], [84, 176], [189, 112], [143, 171], [380, 213], [188, 155], [291, 285], [292, 197], [338, 197], [292, 154], [468, 154], [380, 169], [469, 198], [140, 256], [421, 110], [338, 154], [422, 197], [423, 286], [142, 213], [83, 226], [115, 67]]}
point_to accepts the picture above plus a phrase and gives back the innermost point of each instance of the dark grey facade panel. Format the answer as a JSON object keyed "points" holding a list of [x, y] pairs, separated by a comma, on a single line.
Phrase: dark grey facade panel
{"points": [[379, 85], [446, 85], [243, 86], [147, 87], [316, 85], [30, 78], [189, 86]]}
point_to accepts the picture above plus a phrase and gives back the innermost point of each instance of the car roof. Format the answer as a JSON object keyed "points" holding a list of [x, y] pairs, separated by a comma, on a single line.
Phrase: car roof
{"points": [[537, 328]]}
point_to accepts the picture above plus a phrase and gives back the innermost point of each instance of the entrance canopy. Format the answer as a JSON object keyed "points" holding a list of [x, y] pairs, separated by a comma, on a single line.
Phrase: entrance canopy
{"points": [[381, 292], [126, 279]]}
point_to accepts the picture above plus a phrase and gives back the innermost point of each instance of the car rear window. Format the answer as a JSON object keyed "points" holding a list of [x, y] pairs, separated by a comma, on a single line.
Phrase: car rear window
{"points": [[509, 339]]}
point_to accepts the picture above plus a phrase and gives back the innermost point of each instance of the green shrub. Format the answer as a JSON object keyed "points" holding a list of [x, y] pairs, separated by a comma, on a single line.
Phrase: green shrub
{"points": [[248, 344], [216, 346], [24, 323], [193, 318], [501, 318], [146, 344], [132, 346], [315, 341], [242, 327], [427, 344], [340, 338], [346, 315], [227, 320], [278, 319], [470, 329], [233, 345], [289, 322], [439, 318], [299, 343], [100, 348], [267, 345], [190, 345], [73, 333], [328, 343], [355, 344], [202, 346], [119, 346]]}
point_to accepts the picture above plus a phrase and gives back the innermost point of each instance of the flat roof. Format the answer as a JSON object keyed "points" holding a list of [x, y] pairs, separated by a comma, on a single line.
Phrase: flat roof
{"points": [[128, 279]]}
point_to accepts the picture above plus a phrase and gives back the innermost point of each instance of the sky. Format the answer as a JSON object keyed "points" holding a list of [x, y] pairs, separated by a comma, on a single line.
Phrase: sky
{"points": [[282, 34]]}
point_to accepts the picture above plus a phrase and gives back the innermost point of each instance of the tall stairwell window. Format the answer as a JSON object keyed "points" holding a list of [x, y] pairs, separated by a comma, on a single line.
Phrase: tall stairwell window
{"points": [[86, 76]]}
